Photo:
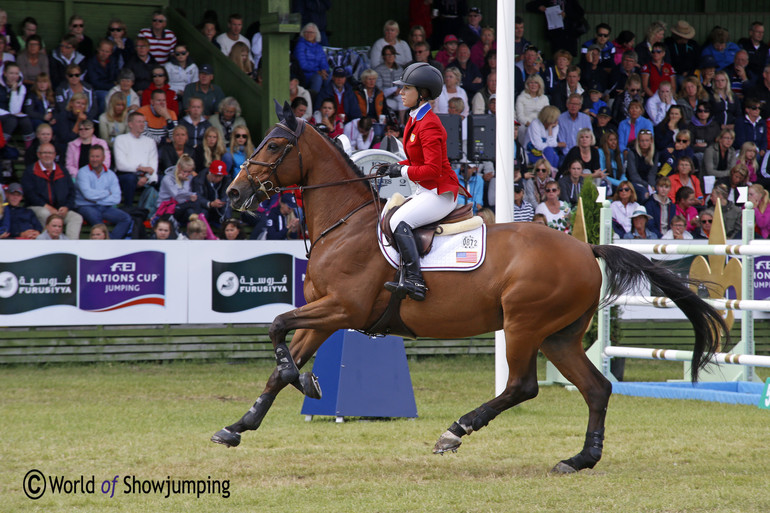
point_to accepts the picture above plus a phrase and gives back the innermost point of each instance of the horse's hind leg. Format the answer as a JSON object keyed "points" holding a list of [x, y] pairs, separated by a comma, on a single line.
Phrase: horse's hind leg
{"points": [[304, 345], [521, 386], [565, 350]]}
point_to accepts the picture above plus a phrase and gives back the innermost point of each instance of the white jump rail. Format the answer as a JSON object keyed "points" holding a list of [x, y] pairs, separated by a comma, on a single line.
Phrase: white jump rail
{"points": [[720, 304], [743, 352], [685, 356]]}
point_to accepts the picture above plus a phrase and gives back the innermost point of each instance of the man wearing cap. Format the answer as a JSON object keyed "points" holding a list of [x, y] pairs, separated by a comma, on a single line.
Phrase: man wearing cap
{"points": [[212, 187], [338, 90], [603, 123], [282, 222], [756, 48], [97, 194], [48, 189], [210, 93], [448, 51], [233, 35], [603, 41], [23, 222], [471, 31], [682, 51]]}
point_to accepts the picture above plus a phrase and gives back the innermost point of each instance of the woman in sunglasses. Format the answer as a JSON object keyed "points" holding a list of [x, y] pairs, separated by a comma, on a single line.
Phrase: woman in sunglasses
{"points": [[556, 212], [543, 173], [623, 206], [669, 157], [124, 46], [181, 70], [85, 44], [704, 129], [706, 221], [241, 146], [74, 85]]}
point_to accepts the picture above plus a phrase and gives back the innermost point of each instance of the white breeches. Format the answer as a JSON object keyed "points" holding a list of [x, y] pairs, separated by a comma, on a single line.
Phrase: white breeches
{"points": [[424, 207]]}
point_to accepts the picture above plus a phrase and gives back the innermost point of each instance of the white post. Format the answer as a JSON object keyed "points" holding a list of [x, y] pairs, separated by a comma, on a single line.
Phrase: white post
{"points": [[504, 155]]}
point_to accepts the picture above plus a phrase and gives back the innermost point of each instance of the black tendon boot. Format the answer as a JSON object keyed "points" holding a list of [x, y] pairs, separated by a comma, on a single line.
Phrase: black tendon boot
{"points": [[411, 281]]}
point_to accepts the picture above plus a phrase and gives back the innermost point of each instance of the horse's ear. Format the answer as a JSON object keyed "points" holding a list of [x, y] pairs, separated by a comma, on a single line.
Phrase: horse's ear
{"points": [[278, 110], [289, 118]]}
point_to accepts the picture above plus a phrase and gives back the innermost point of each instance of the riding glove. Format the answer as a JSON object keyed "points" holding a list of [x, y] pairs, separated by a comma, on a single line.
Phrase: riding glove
{"points": [[394, 170]]}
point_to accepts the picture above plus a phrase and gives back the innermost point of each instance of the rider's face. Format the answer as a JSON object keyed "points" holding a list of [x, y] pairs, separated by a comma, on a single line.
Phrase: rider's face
{"points": [[409, 96]]}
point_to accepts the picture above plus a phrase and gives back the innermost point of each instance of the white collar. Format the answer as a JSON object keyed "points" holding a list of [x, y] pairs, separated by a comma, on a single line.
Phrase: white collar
{"points": [[418, 114]]}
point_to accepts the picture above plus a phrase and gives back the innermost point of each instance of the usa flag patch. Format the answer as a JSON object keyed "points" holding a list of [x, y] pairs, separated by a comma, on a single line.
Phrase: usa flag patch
{"points": [[466, 257]]}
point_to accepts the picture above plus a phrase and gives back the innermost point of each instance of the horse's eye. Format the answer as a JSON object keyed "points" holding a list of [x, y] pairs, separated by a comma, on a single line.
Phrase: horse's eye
{"points": [[272, 146]]}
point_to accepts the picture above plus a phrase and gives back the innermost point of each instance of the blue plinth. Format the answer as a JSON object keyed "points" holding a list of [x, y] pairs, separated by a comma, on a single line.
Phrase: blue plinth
{"points": [[731, 392], [362, 377]]}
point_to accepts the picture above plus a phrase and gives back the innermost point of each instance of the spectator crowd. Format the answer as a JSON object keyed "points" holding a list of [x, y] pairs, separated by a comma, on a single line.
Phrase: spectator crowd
{"points": [[132, 136]]}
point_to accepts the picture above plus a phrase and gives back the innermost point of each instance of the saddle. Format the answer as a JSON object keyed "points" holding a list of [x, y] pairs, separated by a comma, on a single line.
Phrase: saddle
{"points": [[424, 234]]}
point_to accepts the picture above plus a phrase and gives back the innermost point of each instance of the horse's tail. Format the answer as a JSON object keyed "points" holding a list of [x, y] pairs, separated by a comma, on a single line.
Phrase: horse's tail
{"points": [[625, 271]]}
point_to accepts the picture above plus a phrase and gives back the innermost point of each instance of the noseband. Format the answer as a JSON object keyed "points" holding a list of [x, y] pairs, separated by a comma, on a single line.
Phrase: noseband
{"points": [[258, 186]]}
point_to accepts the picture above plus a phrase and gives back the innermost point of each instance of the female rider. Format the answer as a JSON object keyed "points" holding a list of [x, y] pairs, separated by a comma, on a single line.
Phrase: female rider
{"points": [[427, 166]]}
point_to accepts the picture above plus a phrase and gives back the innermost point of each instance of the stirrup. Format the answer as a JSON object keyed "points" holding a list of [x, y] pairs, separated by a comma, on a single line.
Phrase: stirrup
{"points": [[414, 289]]}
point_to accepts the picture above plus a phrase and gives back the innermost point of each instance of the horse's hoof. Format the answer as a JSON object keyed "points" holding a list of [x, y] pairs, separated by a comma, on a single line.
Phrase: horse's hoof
{"points": [[225, 437], [447, 442], [310, 386], [563, 468]]}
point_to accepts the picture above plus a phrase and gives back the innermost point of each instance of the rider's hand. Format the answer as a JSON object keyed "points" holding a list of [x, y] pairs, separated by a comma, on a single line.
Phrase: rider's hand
{"points": [[394, 170]]}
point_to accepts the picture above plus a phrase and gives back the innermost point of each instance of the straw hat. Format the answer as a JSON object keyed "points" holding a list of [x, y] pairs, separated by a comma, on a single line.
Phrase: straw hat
{"points": [[683, 29]]}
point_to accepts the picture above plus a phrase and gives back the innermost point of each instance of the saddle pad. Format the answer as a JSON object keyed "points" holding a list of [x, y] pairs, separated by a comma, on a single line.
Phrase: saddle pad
{"points": [[463, 251]]}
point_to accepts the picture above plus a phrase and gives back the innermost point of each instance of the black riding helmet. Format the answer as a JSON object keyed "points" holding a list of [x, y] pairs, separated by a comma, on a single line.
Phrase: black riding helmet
{"points": [[422, 75]]}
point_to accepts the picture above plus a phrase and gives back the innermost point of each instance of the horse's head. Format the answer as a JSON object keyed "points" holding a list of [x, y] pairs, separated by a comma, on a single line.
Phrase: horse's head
{"points": [[273, 164]]}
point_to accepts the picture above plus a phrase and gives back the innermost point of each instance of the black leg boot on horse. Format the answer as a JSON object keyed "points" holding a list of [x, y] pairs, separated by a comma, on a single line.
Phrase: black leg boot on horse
{"points": [[410, 281]]}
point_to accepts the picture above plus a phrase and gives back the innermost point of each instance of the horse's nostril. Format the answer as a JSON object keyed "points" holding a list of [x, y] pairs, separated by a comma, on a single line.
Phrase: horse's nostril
{"points": [[233, 194]]}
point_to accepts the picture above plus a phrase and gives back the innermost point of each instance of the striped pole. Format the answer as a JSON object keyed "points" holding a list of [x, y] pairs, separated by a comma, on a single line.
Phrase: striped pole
{"points": [[685, 356], [719, 304], [698, 249]]}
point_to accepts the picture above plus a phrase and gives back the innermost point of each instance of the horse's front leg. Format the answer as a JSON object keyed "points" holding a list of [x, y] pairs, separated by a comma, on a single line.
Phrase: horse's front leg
{"points": [[304, 345], [325, 313]]}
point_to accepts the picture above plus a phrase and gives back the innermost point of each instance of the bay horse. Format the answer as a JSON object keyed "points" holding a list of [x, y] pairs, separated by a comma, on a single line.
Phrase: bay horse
{"points": [[539, 285]]}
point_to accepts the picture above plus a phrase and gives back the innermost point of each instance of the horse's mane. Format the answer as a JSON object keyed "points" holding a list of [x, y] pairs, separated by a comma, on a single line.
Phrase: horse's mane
{"points": [[344, 155]]}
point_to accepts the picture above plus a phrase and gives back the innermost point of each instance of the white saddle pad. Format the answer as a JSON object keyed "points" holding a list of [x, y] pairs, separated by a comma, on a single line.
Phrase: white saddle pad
{"points": [[451, 250]]}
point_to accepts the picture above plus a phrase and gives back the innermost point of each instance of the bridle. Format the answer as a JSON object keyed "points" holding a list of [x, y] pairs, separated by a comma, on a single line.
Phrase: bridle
{"points": [[258, 186], [272, 185]]}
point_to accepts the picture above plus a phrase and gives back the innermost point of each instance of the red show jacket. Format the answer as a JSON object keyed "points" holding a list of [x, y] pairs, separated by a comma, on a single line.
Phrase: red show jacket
{"points": [[426, 153]]}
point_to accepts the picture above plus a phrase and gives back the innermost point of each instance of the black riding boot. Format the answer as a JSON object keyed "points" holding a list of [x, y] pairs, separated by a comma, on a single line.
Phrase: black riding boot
{"points": [[411, 281]]}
